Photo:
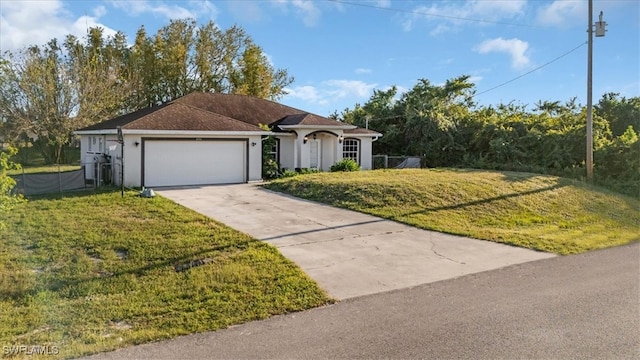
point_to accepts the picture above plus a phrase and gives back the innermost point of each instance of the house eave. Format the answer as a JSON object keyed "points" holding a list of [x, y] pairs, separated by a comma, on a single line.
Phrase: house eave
{"points": [[335, 127], [371, 135], [174, 132]]}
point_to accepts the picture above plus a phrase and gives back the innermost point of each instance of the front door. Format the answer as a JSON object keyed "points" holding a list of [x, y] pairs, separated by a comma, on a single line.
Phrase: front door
{"points": [[314, 154]]}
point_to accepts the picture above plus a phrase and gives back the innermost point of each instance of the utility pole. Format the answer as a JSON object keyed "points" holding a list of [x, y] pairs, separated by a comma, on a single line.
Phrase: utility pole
{"points": [[599, 30]]}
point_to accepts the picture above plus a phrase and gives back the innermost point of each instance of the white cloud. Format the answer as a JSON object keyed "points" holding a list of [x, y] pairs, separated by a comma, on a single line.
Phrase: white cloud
{"points": [[309, 12], [305, 9], [25, 23], [363, 71], [196, 9], [349, 88], [454, 13], [306, 93], [561, 13], [246, 11], [516, 48], [475, 79], [332, 91]]}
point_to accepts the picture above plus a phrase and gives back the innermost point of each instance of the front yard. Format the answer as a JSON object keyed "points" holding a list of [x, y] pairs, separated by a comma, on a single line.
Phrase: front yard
{"points": [[93, 272], [539, 212]]}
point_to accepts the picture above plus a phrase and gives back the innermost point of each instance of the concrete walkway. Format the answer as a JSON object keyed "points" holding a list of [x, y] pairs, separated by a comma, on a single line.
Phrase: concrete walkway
{"points": [[349, 254]]}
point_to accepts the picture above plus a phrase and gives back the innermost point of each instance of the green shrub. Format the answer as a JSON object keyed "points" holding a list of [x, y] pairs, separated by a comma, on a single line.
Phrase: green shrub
{"points": [[270, 169], [345, 165], [308, 171], [288, 173]]}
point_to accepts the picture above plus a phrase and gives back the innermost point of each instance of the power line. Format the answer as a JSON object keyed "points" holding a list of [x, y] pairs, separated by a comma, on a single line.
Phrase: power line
{"points": [[534, 70], [430, 14]]}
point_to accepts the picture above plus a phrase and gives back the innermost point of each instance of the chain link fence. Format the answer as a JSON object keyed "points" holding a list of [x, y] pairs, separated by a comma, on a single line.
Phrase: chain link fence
{"points": [[398, 162], [88, 175]]}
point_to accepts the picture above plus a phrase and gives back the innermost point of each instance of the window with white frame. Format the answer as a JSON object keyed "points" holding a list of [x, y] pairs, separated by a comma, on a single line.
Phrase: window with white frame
{"points": [[351, 149]]}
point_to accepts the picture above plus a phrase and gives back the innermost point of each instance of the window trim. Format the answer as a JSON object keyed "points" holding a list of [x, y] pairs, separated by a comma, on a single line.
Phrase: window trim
{"points": [[358, 150]]}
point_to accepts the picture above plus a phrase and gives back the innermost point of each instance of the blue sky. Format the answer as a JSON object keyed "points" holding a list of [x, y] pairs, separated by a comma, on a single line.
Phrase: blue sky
{"points": [[340, 51]]}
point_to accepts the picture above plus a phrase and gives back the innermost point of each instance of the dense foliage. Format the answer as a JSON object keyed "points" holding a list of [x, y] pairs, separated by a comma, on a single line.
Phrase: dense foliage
{"points": [[7, 198], [345, 165], [47, 91], [442, 124]]}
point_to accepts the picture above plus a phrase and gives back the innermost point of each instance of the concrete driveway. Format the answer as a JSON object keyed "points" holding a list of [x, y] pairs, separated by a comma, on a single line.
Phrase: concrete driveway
{"points": [[349, 254]]}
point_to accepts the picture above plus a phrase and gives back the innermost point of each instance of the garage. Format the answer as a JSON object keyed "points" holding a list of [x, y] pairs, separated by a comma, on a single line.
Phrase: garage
{"points": [[177, 162]]}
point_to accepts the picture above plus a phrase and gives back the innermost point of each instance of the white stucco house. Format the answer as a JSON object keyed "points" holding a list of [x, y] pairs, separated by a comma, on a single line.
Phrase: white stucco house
{"points": [[212, 138]]}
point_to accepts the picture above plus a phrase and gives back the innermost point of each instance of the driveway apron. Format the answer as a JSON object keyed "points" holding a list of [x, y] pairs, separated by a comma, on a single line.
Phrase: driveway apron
{"points": [[347, 253]]}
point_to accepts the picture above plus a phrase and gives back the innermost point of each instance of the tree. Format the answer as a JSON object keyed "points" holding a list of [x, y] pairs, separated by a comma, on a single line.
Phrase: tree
{"points": [[7, 198], [620, 112], [182, 58], [255, 76], [48, 91]]}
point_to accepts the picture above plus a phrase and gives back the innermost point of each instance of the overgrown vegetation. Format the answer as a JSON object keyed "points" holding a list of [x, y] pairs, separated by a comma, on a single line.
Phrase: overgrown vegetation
{"points": [[345, 165], [540, 212], [96, 272], [442, 124], [7, 198], [47, 91]]}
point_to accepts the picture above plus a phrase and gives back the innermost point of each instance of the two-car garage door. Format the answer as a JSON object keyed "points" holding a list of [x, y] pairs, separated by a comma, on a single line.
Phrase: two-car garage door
{"points": [[193, 162]]}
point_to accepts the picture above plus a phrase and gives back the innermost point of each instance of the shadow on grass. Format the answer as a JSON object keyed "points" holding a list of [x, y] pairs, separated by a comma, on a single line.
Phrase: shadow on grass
{"points": [[79, 193], [483, 201], [180, 264]]}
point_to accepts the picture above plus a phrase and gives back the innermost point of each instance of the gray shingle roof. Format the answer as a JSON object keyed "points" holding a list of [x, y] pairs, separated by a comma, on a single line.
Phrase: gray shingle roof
{"points": [[200, 111]]}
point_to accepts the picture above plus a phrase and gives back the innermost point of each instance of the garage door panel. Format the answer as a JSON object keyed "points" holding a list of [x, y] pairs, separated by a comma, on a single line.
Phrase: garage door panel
{"points": [[174, 163]]}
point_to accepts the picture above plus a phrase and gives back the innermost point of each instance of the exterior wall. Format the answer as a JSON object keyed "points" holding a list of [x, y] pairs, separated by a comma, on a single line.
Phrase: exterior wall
{"points": [[92, 147], [133, 156], [366, 154], [287, 155], [329, 151], [255, 158], [132, 160]]}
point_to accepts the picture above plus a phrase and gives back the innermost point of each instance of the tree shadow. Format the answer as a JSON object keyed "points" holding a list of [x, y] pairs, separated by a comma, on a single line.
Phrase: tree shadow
{"points": [[179, 264], [483, 201]]}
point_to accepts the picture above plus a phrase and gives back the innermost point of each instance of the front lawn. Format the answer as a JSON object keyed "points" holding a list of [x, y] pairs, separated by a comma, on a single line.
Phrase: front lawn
{"points": [[539, 212], [94, 272]]}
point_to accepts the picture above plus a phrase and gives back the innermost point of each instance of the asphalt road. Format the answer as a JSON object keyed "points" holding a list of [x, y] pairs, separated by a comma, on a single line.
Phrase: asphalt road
{"points": [[572, 307]]}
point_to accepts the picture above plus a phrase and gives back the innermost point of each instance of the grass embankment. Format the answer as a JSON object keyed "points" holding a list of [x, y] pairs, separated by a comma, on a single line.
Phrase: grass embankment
{"points": [[540, 212], [95, 272]]}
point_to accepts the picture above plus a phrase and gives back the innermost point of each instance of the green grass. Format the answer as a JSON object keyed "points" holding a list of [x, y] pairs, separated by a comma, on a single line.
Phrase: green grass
{"points": [[94, 272], [539, 212], [44, 169]]}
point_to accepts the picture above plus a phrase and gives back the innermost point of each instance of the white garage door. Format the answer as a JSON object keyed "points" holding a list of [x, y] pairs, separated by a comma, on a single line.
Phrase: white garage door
{"points": [[191, 162]]}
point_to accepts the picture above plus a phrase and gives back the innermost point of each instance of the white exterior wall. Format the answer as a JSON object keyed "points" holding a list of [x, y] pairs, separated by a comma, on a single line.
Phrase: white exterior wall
{"points": [[366, 153], [303, 149], [132, 160], [255, 158], [328, 150], [286, 152], [133, 156]]}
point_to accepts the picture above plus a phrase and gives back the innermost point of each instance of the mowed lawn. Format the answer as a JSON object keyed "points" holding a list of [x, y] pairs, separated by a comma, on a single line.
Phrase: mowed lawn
{"points": [[540, 212], [94, 272]]}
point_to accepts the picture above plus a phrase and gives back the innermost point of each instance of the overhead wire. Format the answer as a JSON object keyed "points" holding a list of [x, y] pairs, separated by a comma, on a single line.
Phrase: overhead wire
{"points": [[472, 20], [533, 70]]}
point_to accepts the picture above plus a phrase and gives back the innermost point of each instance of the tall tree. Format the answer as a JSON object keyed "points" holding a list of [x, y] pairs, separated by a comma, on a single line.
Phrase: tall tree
{"points": [[48, 91]]}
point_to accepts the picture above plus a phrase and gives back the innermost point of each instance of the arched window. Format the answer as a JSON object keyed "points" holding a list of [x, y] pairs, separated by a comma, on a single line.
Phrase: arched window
{"points": [[351, 149]]}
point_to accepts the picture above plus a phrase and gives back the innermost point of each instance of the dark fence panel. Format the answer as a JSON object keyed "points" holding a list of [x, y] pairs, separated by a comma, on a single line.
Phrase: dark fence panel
{"points": [[35, 184]]}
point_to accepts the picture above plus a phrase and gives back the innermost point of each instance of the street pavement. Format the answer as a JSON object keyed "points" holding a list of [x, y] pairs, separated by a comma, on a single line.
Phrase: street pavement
{"points": [[583, 306], [347, 253]]}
